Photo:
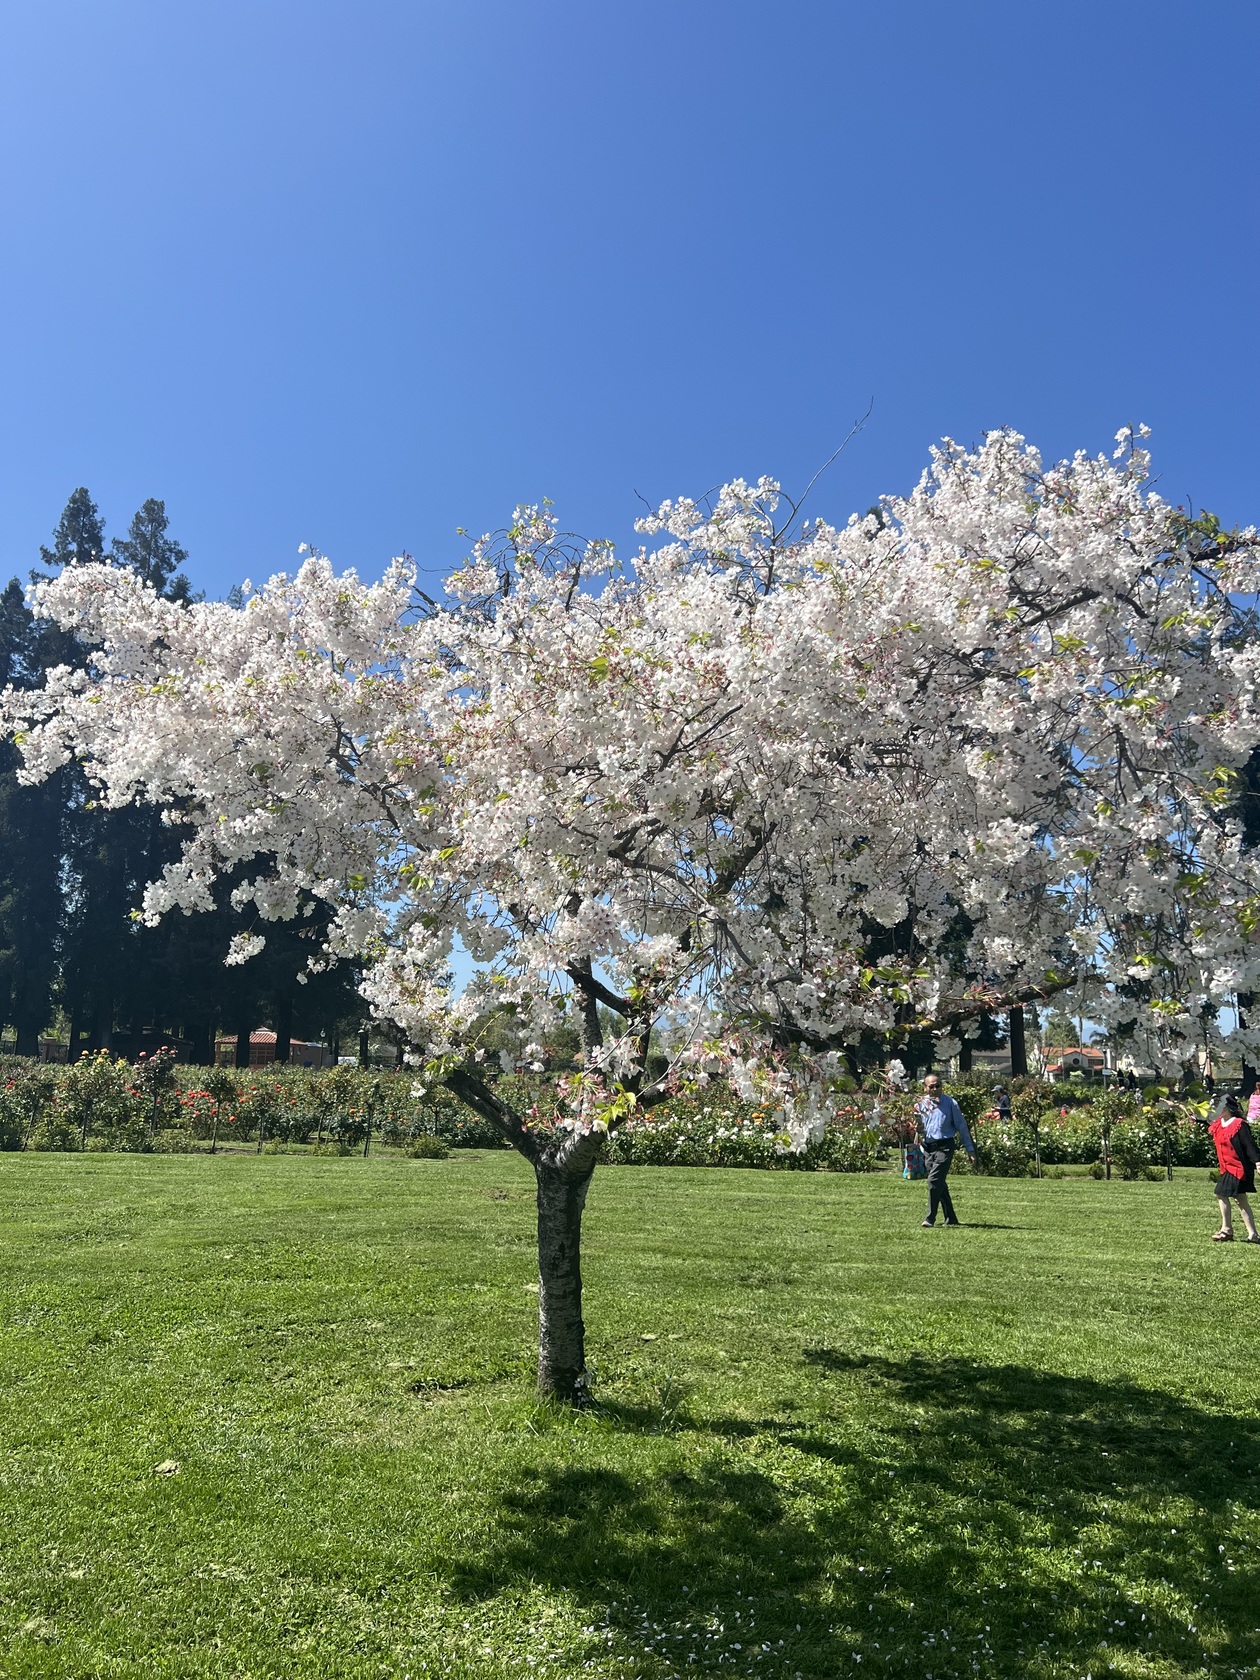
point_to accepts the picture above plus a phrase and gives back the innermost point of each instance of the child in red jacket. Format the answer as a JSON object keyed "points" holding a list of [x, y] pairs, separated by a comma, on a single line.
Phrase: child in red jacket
{"points": [[1236, 1155]]}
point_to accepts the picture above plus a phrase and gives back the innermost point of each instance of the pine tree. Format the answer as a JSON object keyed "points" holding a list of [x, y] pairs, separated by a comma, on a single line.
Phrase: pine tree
{"points": [[92, 888], [110, 964], [72, 873], [148, 551], [15, 623], [80, 534], [106, 870], [30, 850]]}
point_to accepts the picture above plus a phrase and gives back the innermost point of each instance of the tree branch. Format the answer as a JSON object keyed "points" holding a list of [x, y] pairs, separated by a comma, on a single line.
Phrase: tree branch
{"points": [[478, 1096], [584, 978], [999, 1005]]}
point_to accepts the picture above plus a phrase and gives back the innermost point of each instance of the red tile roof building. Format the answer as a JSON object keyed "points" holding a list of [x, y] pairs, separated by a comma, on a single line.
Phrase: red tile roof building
{"points": [[262, 1051]]}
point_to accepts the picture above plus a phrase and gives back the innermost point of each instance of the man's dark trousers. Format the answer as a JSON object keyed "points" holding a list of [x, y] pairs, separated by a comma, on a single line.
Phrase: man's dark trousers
{"points": [[938, 1154]]}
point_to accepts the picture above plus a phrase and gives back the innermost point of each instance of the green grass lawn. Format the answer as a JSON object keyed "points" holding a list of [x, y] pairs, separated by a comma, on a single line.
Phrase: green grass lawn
{"points": [[827, 1443]]}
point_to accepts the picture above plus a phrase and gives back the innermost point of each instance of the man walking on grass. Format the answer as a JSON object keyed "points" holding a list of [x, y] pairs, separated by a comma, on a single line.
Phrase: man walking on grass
{"points": [[943, 1126]]}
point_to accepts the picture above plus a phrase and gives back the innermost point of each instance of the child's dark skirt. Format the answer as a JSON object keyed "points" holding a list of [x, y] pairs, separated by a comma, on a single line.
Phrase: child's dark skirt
{"points": [[1228, 1184]]}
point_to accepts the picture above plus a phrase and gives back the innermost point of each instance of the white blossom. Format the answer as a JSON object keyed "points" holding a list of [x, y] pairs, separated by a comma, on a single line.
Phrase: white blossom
{"points": [[991, 734]]}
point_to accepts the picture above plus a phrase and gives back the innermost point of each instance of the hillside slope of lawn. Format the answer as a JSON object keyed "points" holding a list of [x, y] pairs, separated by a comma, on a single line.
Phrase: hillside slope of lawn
{"points": [[1027, 1447]]}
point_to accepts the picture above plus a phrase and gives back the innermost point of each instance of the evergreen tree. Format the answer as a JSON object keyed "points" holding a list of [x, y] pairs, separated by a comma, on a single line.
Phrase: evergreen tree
{"points": [[15, 632], [30, 850], [107, 867], [110, 962], [304, 1008], [80, 534], [154, 556], [72, 873]]}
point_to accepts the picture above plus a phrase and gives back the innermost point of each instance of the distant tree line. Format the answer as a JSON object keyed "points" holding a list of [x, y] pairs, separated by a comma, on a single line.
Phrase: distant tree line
{"points": [[72, 947]]}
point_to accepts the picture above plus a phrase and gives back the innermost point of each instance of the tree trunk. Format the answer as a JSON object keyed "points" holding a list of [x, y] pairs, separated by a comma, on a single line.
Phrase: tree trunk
{"points": [[965, 1050], [102, 1025], [284, 1027], [365, 1048], [1019, 1043], [27, 1041], [201, 1043], [561, 1333], [562, 1168], [241, 1058], [1246, 1002]]}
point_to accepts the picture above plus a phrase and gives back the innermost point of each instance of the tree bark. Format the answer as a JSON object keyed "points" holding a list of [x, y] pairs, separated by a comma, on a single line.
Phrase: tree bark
{"points": [[201, 1043], [965, 1054], [241, 1058], [563, 1164], [284, 1027], [1246, 1003], [561, 1332], [1019, 1043], [27, 1041], [102, 1025]]}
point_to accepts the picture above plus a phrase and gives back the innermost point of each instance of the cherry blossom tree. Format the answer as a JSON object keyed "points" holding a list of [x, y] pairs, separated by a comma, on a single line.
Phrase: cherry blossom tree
{"points": [[780, 783]]}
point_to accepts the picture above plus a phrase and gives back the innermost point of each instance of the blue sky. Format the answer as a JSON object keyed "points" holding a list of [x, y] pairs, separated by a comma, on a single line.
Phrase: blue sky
{"points": [[356, 275]]}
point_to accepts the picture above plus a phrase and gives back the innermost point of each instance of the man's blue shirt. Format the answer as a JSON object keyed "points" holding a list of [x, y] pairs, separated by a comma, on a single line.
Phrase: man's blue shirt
{"points": [[942, 1119]]}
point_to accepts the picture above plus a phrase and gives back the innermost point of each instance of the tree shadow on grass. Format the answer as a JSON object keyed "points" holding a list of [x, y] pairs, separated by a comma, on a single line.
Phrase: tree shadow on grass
{"points": [[988, 1225], [686, 1571], [934, 1516]]}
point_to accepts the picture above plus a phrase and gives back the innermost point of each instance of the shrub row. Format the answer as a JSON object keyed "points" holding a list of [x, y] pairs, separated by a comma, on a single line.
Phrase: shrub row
{"points": [[1139, 1130], [102, 1103], [689, 1133], [1136, 1136]]}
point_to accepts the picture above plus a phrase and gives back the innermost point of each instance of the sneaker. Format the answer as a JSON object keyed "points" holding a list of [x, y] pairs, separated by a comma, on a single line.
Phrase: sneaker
{"points": [[927, 1225], [952, 1224]]}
